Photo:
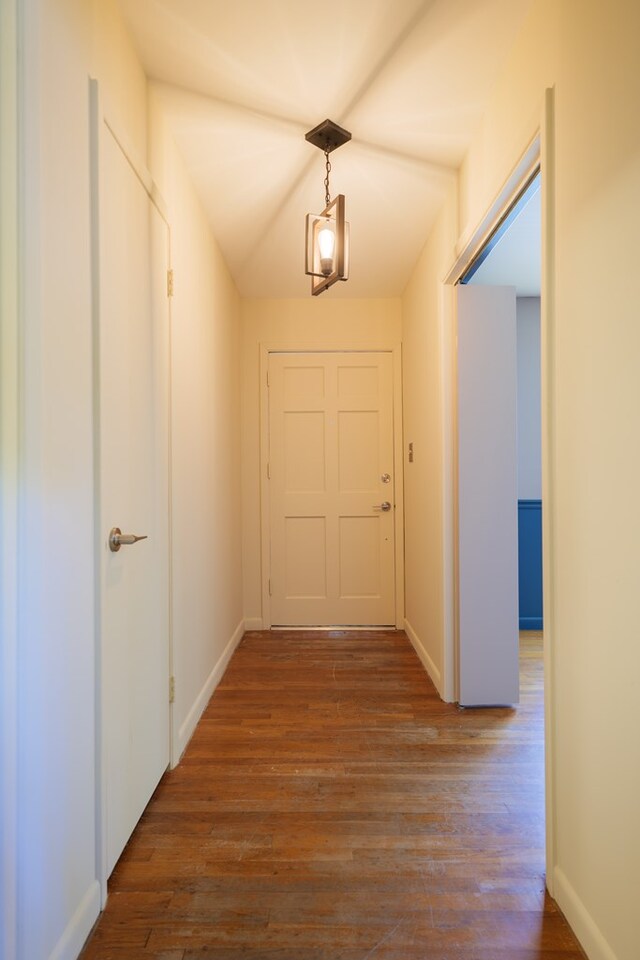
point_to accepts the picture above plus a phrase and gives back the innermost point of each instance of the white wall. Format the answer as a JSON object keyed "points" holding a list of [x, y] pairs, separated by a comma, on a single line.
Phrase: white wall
{"points": [[529, 415], [58, 895], [588, 52], [314, 323], [64, 42], [597, 475], [206, 503], [427, 425]]}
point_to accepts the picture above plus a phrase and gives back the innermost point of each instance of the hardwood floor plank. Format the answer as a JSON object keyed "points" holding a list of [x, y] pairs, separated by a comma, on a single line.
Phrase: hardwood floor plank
{"points": [[331, 807]]}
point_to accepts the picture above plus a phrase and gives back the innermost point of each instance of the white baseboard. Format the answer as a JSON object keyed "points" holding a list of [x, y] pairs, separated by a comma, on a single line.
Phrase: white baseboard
{"points": [[190, 723], [427, 662], [253, 623], [580, 920], [79, 927]]}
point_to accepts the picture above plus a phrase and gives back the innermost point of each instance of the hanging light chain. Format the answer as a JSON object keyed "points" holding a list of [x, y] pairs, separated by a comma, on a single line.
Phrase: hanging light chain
{"points": [[327, 195]]}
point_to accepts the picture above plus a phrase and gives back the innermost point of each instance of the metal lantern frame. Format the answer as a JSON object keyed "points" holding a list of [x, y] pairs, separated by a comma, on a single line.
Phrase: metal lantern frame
{"points": [[328, 136]]}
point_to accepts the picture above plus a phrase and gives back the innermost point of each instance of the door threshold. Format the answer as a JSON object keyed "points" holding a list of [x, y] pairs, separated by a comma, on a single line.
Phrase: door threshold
{"points": [[337, 626]]}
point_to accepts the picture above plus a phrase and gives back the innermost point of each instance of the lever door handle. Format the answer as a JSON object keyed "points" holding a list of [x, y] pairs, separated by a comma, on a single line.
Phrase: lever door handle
{"points": [[385, 506], [119, 539]]}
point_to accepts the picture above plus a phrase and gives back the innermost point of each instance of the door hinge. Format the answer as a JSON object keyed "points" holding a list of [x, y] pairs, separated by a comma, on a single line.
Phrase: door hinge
{"points": [[172, 689], [269, 586], [268, 471], [268, 378], [169, 283]]}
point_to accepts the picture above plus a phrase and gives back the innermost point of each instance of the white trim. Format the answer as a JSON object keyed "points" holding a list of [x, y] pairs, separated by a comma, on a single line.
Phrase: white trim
{"points": [[173, 752], [450, 497], [580, 920], [10, 406], [265, 541], [191, 721], [447, 354], [398, 456], [426, 660], [95, 114], [318, 345], [79, 927], [473, 240], [547, 404], [253, 623]]}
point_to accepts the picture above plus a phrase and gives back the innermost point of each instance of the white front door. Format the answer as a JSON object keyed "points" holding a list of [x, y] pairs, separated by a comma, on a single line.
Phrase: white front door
{"points": [[331, 489], [487, 496], [132, 468]]}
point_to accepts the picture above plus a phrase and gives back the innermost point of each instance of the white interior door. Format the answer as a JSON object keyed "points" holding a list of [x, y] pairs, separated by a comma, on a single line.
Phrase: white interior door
{"points": [[331, 489], [487, 496], [132, 368]]}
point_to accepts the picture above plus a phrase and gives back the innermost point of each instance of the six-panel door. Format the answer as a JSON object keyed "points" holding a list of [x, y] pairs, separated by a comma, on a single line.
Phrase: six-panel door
{"points": [[331, 489]]}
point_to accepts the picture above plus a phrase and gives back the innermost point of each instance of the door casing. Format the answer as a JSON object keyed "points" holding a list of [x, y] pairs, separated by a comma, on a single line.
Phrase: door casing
{"points": [[539, 152], [11, 388]]}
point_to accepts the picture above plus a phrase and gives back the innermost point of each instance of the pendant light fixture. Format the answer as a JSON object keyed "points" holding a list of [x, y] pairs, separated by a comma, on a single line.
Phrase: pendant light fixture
{"points": [[327, 233]]}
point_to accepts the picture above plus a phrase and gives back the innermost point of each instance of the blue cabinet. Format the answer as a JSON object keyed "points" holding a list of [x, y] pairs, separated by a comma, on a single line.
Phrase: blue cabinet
{"points": [[530, 564]]}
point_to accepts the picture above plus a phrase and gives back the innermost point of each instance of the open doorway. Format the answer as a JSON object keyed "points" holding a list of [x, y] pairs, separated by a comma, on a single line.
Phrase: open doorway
{"points": [[511, 261], [512, 258], [537, 158], [499, 327], [499, 470]]}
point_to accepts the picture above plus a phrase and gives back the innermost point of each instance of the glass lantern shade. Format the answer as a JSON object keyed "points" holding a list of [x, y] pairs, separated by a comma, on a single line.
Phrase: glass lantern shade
{"points": [[327, 246]]}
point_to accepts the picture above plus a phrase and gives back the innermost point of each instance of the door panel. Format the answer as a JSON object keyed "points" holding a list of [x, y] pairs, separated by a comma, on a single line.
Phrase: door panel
{"points": [[487, 496], [358, 537], [330, 442], [304, 451], [133, 491], [305, 552]]}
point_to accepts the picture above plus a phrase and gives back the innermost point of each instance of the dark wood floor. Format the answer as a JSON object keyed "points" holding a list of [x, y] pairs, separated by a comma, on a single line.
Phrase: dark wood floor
{"points": [[330, 807]]}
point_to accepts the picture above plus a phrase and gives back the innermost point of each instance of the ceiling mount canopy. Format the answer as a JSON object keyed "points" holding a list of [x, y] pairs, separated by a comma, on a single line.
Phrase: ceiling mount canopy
{"points": [[328, 136], [327, 233]]}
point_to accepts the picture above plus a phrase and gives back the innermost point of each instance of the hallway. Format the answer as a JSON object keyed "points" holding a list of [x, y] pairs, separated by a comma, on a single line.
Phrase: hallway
{"points": [[331, 806]]}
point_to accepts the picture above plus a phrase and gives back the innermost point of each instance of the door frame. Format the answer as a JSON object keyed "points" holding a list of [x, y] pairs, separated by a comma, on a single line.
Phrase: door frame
{"points": [[101, 116], [539, 153], [12, 96], [317, 346]]}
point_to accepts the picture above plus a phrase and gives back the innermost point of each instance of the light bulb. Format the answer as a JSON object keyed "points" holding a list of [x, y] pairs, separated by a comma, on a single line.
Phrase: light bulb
{"points": [[326, 245]]}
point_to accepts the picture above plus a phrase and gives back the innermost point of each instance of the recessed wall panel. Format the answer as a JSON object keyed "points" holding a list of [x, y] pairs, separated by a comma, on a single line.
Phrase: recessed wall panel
{"points": [[305, 557], [358, 450], [359, 557], [303, 385], [358, 382], [304, 452]]}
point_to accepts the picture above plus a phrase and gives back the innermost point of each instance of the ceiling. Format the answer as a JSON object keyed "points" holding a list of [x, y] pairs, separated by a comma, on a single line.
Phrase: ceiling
{"points": [[515, 260], [243, 81]]}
